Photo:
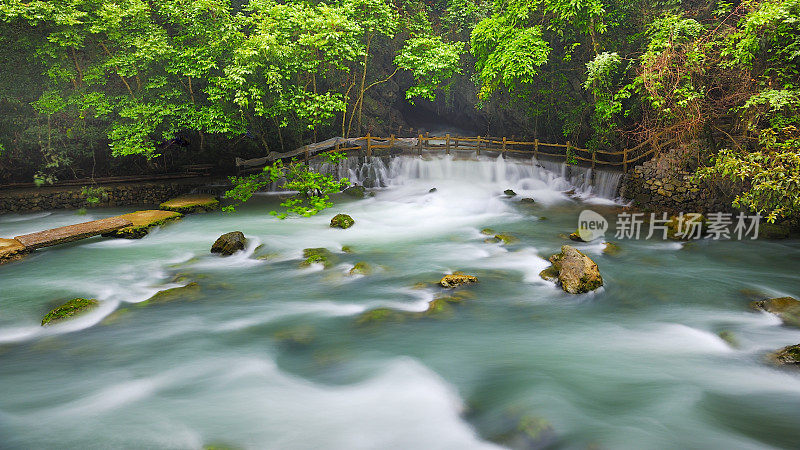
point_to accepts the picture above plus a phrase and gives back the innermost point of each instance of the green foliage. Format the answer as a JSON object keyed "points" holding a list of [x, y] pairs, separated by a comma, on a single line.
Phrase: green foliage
{"points": [[312, 188], [431, 61], [94, 194]]}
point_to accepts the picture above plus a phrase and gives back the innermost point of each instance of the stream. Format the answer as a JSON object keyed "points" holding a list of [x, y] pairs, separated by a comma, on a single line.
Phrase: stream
{"points": [[266, 354]]}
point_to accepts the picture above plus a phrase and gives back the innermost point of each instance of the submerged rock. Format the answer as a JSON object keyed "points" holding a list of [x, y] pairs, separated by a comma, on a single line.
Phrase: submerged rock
{"points": [[361, 268], [189, 292], [355, 191], [342, 221], [510, 193], [576, 236], [229, 243], [72, 308], [318, 256], [488, 232], [457, 279], [787, 308], [432, 190], [729, 337], [787, 356], [505, 238], [577, 273], [298, 336], [194, 203], [527, 200], [381, 315]]}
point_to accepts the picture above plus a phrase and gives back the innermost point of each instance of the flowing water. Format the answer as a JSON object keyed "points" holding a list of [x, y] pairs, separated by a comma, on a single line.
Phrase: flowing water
{"points": [[269, 355]]}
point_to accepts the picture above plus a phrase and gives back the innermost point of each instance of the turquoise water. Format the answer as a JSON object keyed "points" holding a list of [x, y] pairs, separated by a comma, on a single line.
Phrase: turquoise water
{"points": [[269, 355]]}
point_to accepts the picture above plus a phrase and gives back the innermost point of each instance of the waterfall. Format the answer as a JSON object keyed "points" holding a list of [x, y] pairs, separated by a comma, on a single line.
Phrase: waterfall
{"points": [[522, 173]]}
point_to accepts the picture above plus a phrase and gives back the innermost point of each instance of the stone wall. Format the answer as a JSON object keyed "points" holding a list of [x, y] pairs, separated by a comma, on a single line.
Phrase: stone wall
{"points": [[118, 194], [661, 185]]}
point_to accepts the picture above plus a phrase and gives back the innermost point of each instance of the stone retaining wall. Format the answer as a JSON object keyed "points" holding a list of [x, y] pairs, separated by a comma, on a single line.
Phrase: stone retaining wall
{"points": [[660, 185], [119, 194]]}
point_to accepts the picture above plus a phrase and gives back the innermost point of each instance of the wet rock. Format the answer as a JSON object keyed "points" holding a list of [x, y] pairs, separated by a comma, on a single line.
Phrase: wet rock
{"points": [[488, 232], [505, 238], [510, 193], [318, 256], [342, 221], [72, 308], [787, 308], [576, 236], [457, 279], [355, 191], [298, 336], [381, 315], [787, 356], [11, 250], [347, 249], [577, 273], [190, 292], [361, 268], [729, 337], [142, 222], [773, 230], [530, 432], [229, 243], [527, 200], [611, 248], [432, 190]]}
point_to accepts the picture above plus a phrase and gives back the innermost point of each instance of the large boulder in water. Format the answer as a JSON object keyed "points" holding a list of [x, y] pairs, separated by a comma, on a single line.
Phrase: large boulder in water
{"points": [[787, 308], [575, 272], [342, 221], [229, 243]]}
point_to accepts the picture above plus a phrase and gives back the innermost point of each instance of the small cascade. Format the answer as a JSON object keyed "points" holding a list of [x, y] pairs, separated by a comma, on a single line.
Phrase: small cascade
{"points": [[522, 173]]}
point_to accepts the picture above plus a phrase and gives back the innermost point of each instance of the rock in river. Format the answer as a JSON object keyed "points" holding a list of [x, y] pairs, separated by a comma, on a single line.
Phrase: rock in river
{"points": [[574, 271], [342, 221], [787, 308], [457, 279], [229, 243], [72, 308], [355, 191], [787, 356]]}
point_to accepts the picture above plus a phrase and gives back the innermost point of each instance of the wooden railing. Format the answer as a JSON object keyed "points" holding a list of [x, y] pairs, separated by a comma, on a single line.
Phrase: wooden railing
{"points": [[371, 145]]}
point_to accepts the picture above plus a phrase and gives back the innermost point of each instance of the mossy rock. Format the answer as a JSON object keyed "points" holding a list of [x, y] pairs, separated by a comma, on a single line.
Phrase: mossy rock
{"points": [[72, 308], [527, 201], [355, 191], [342, 221], [509, 193], [438, 308], [787, 308], [787, 356], [189, 204], [488, 232], [318, 256], [229, 243], [528, 432], [190, 292], [549, 274], [576, 236], [611, 249], [361, 268], [381, 315], [347, 249], [143, 222], [577, 273], [432, 190], [729, 337], [491, 240], [457, 279]]}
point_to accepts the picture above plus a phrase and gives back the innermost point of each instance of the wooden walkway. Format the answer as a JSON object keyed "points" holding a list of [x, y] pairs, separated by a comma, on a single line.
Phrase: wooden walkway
{"points": [[375, 146]]}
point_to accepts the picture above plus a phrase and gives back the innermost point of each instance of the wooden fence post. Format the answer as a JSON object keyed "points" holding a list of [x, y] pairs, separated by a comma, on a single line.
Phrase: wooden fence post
{"points": [[594, 158], [419, 144], [369, 145], [391, 142], [478, 147], [536, 148], [566, 155], [447, 144], [305, 150], [624, 160], [504, 145]]}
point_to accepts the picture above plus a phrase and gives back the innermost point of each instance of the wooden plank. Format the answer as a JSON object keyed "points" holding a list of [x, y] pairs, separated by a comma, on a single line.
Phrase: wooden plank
{"points": [[71, 233]]}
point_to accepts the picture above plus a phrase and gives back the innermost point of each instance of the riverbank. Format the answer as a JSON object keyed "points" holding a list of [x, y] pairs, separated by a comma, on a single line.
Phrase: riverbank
{"points": [[115, 194]]}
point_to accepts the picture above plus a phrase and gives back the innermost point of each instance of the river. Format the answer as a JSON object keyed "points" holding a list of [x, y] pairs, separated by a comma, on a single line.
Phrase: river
{"points": [[267, 354]]}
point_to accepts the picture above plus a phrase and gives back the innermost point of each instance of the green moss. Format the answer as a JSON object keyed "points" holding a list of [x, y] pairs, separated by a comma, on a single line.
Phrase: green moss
{"points": [[317, 256], [506, 238], [488, 232], [74, 307], [380, 315], [361, 268], [728, 337], [189, 292], [787, 356], [509, 193], [457, 279], [299, 336], [347, 249], [549, 274], [610, 248], [439, 307], [342, 221], [191, 204]]}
